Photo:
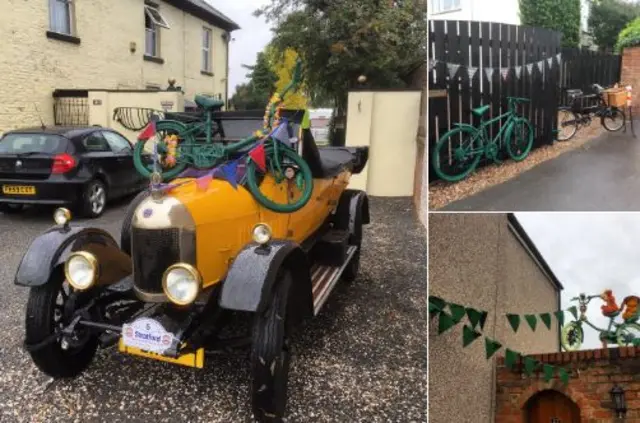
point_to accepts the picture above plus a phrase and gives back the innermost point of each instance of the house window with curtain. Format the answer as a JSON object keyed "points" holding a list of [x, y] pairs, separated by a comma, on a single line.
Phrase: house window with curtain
{"points": [[153, 21], [60, 16], [206, 49]]}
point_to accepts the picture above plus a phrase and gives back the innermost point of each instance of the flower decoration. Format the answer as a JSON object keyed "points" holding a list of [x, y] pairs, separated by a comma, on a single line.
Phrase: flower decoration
{"points": [[275, 100], [172, 148]]}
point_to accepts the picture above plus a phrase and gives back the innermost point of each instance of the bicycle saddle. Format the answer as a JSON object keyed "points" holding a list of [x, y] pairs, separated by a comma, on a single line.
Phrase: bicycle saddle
{"points": [[208, 103], [479, 111], [597, 88]]}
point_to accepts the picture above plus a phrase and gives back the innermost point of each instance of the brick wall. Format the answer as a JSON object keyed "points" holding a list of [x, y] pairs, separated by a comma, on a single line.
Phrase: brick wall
{"points": [[592, 375], [630, 74], [33, 65]]}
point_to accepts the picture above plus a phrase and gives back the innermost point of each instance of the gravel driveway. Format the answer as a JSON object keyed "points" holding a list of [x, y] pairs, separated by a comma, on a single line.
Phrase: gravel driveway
{"points": [[363, 359]]}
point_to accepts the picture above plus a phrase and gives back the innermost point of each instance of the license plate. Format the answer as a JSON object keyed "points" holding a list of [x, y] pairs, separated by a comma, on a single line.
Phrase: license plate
{"points": [[146, 337], [19, 189]]}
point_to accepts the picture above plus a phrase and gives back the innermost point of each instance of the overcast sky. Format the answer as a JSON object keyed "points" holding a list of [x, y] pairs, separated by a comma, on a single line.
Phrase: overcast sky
{"points": [[254, 34], [589, 252]]}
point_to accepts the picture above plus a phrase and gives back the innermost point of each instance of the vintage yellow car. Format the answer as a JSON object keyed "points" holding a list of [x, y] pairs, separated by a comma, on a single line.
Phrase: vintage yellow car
{"points": [[188, 257]]}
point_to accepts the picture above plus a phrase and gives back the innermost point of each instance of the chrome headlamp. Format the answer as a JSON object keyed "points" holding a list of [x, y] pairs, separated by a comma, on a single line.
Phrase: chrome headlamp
{"points": [[182, 283], [81, 270], [261, 233], [62, 216]]}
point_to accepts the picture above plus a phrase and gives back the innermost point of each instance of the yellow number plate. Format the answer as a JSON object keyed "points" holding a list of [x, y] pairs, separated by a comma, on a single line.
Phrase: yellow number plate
{"points": [[19, 189], [190, 360]]}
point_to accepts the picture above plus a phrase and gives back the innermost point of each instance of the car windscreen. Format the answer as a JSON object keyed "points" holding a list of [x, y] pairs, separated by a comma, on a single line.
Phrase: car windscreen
{"points": [[33, 143]]}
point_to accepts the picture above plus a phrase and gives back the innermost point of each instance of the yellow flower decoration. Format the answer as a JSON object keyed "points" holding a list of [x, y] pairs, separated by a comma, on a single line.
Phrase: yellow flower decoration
{"points": [[172, 148]]}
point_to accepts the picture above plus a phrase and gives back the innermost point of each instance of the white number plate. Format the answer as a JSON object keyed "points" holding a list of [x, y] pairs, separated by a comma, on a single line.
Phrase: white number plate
{"points": [[146, 334]]}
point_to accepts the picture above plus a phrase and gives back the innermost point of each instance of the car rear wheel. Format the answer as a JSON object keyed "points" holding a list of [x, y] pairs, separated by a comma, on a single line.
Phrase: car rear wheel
{"points": [[94, 199], [270, 355], [50, 307]]}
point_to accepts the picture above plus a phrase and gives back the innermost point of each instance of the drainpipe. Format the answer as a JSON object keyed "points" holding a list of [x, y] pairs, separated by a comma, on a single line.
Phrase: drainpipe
{"points": [[227, 40]]}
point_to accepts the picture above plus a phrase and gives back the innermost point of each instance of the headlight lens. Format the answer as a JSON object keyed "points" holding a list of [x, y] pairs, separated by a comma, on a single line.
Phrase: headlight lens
{"points": [[261, 233], [81, 270], [62, 216], [181, 283]]}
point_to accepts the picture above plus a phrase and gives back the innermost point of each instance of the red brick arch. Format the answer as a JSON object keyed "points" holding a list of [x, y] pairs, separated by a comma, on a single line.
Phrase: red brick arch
{"points": [[555, 385]]}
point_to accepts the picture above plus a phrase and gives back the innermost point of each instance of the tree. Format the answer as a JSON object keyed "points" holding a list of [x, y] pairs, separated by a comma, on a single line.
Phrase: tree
{"points": [[558, 15], [282, 65], [256, 93], [629, 36], [608, 18], [340, 40]]}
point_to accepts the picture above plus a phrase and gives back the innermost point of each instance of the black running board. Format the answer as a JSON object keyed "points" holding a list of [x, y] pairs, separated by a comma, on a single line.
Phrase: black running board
{"points": [[324, 279]]}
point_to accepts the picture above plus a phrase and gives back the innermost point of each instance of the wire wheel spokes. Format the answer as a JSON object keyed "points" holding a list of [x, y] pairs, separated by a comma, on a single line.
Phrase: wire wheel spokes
{"points": [[613, 119], [567, 125]]}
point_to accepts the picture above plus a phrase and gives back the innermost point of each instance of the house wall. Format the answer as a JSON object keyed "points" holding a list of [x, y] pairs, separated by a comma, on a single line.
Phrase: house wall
{"points": [[593, 373], [481, 10], [475, 260], [33, 66]]}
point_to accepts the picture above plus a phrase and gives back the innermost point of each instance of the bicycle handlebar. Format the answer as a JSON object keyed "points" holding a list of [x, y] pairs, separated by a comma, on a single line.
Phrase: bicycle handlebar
{"points": [[519, 99]]}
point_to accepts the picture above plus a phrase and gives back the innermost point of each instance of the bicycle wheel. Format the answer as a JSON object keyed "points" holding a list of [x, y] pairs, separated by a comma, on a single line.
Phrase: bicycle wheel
{"points": [[289, 160], [456, 154], [143, 151], [571, 336], [519, 139], [613, 119], [628, 334], [567, 124]]}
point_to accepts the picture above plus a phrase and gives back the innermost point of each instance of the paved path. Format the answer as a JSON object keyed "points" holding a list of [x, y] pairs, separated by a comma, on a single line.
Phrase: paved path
{"points": [[361, 360], [603, 175]]}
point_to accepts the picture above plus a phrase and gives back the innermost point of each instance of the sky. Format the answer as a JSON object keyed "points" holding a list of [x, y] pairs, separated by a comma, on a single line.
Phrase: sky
{"points": [[254, 34], [589, 252]]}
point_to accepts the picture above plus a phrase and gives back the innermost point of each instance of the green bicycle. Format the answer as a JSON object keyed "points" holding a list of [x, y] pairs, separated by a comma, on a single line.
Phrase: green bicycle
{"points": [[177, 145], [458, 152], [622, 334]]}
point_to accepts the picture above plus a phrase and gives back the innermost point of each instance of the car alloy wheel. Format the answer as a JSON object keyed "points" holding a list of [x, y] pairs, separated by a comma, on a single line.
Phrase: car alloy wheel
{"points": [[98, 198]]}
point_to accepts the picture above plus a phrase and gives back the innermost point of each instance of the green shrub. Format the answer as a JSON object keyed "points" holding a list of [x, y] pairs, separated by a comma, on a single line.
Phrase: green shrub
{"points": [[629, 36]]}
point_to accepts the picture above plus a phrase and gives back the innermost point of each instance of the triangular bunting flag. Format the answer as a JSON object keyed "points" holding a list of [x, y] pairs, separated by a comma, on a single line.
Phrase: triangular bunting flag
{"points": [[574, 311], [560, 316], [491, 347], [550, 61], [453, 69], [529, 365], [548, 372], [436, 304], [530, 68], [483, 319], [149, 132], [546, 319], [489, 73], [306, 120], [445, 323], [504, 72], [564, 376], [531, 319], [472, 71], [229, 171], [514, 321], [474, 317], [457, 312], [518, 71], [281, 133], [469, 335], [510, 358], [203, 182], [559, 58], [258, 156]]}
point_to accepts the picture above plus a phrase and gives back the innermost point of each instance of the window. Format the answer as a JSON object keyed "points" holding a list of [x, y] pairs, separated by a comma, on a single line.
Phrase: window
{"points": [[95, 143], [28, 143], [151, 40], [118, 143], [441, 6], [60, 16], [156, 18], [206, 49]]}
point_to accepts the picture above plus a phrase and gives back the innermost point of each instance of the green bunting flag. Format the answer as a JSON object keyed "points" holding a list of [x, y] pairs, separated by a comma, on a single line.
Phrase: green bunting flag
{"points": [[483, 319], [491, 347], [531, 320], [474, 317], [573, 310], [445, 323], [510, 358], [436, 305], [469, 335], [530, 365], [457, 312], [564, 376], [560, 316], [514, 321], [548, 372], [546, 319]]}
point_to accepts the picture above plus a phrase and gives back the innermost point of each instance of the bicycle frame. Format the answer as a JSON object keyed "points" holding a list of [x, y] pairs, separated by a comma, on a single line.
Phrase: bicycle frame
{"points": [[483, 134]]}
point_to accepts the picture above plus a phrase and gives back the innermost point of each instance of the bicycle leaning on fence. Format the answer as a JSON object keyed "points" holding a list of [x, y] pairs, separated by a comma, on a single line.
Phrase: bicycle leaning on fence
{"points": [[576, 115], [623, 334], [458, 152]]}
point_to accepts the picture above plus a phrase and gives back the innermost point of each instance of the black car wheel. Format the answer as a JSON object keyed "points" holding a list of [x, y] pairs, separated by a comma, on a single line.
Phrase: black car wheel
{"points": [[8, 208], [125, 233], [94, 199], [270, 355], [49, 309]]}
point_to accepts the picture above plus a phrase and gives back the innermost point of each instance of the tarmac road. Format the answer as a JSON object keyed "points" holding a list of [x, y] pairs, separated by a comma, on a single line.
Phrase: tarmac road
{"points": [[363, 359]]}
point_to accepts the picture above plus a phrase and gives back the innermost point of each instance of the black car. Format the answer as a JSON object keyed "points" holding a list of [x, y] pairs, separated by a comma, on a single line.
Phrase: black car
{"points": [[79, 167]]}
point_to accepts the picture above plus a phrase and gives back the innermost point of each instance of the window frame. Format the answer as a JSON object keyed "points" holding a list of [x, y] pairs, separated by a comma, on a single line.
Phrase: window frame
{"points": [[161, 22], [208, 50], [70, 15], [153, 28], [437, 6]]}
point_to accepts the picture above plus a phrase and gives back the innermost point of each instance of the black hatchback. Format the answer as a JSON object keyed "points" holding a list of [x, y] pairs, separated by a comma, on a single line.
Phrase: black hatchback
{"points": [[78, 167]]}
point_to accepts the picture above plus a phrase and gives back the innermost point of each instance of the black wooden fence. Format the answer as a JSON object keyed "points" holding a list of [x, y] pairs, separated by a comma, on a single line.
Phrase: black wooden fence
{"points": [[478, 63]]}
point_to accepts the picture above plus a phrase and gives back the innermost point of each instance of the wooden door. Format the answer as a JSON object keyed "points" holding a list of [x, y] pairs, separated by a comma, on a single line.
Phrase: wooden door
{"points": [[552, 407]]}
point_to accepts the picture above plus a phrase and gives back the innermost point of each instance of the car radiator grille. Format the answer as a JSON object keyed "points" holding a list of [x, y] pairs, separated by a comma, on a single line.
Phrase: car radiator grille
{"points": [[154, 250]]}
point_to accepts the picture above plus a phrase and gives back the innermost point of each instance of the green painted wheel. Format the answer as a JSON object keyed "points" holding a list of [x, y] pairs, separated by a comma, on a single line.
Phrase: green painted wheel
{"points": [[163, 128], [519, 139], [572, 336], [628, 334], [288, 158], [456, 154]]}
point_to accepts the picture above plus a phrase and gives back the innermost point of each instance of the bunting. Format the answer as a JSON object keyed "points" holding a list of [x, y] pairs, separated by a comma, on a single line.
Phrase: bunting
{"points": [[489, 73], [453, 69], [258, 156], [472, 71], [504, 72]]}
